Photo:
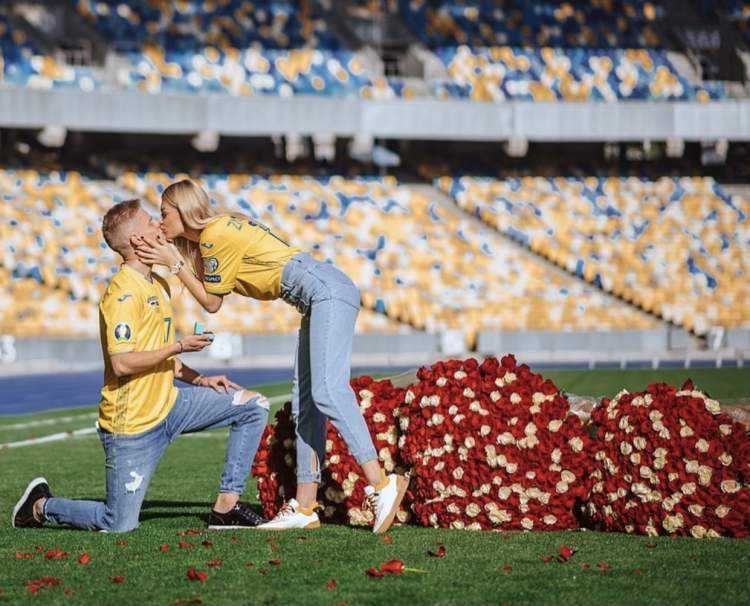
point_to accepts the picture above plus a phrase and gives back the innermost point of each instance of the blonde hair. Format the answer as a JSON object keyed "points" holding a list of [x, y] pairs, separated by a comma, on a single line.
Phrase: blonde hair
{"points": [[194, 206]]}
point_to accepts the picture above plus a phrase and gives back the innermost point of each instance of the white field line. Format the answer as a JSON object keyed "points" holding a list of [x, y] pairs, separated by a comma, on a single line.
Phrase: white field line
{"points": [[49, 421], [77, 433]]}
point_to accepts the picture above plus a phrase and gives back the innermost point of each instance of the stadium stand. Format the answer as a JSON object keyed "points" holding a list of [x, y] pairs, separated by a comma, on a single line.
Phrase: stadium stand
{"points": [[677, 247], [413, 260]]}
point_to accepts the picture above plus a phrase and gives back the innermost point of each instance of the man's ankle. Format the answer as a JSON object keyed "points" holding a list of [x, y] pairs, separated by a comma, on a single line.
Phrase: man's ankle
{"points": [[225, 502], [37, 510]]}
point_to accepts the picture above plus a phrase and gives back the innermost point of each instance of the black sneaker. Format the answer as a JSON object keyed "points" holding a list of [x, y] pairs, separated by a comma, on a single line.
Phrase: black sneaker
{"points": [[240, 516], [23, 512]]}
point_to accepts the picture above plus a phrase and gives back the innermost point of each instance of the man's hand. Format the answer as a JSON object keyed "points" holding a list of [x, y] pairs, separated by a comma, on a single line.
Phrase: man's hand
{"points": [[195, 342], [218, 383]]}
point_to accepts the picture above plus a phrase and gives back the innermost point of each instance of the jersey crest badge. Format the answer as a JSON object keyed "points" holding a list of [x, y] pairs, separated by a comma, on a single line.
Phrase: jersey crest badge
{"points": [[122, 332], [210, 265], [153, 301]]}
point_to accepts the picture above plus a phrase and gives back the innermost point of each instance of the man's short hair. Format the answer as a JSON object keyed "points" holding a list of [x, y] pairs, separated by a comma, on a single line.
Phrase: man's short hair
{"points": [[118, 216]]}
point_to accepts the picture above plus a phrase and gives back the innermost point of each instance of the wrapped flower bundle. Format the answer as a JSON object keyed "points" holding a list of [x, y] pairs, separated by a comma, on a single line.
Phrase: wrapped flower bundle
{"points": [[492, 446], [669, 462]]}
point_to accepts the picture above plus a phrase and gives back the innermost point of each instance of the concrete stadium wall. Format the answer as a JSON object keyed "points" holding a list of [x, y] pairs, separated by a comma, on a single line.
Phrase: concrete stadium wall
{"points": [[584, 341], [134, 111]]}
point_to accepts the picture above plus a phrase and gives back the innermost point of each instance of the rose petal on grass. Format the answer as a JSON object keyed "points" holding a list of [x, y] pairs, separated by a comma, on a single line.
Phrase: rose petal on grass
{"points": [[373, 572], [603, 566], [56, 554], [275, 562], [438, 553], [196, 575], [184, 545], [118, 580], [387, 538], [214, 563], [84, 558], [207, 543], [164, 548], [34, 585], [507, 568], [565, 553], [332, 584], [392, 567], [637, 571], [121, 543], [546, 559], [22, 555]]}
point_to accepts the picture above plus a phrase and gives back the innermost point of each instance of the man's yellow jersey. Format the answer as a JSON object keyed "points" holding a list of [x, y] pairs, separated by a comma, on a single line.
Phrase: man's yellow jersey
{"points": [[243, 256], [135, 314]]}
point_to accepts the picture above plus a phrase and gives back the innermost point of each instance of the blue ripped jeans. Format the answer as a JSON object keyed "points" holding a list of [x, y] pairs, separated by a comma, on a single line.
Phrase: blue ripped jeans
{"points": [[130, 460], [329, 303]]}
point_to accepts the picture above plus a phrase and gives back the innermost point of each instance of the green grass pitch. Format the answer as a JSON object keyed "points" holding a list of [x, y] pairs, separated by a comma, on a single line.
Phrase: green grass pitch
{"points": [[296, 567]]}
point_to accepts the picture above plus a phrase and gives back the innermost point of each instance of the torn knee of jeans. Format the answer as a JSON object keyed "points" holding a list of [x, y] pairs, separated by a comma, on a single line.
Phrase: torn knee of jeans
{"points": [[243, 396], [135, 483]]}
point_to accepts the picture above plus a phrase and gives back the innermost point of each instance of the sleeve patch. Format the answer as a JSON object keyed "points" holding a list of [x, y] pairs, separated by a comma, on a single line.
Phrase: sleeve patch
{"points": [[212, 278], [123, 333], [210, 265]]}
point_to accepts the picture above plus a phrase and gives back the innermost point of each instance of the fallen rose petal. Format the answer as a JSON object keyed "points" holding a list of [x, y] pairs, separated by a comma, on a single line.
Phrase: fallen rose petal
{"points": [[118, 579], [121, 543], [387, 538], [438, 553], [275, 562], [56, 554], [207, 543], [637, 571], [331, 585], [34, 585], [214, 563], [566, 552], [507, 568], [184, 544], [392, 567], [84, 559], [164, 548], [603, 566], [373, 572], [20, 555], [196, 575]]}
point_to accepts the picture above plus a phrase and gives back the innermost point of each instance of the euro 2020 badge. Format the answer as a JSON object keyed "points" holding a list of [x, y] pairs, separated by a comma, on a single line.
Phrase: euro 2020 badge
{"points": [[210, 265], [122, 332]]}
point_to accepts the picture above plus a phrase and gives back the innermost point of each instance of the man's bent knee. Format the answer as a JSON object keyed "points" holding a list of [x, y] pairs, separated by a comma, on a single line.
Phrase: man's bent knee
{"points": [[243, 396]]}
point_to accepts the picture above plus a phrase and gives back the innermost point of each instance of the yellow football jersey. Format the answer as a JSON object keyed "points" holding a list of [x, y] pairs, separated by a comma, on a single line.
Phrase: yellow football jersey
{"points": [[243, 256], [135, 314]]}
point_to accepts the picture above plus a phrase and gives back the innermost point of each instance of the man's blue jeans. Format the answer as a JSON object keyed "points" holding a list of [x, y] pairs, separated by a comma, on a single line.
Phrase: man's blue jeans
{"points": [[329, 302], [132, 459]]}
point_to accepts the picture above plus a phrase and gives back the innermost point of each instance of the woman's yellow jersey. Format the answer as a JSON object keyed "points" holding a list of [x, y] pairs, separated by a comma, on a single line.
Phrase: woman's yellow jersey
{"points": [[135, 314], [243, 256]]}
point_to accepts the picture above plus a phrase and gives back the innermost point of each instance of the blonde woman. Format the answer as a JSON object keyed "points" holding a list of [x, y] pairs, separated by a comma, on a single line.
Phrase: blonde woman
{"points": [[217, 254]]}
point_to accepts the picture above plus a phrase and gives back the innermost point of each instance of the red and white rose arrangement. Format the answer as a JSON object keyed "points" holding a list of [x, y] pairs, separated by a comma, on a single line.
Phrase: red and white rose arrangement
{"points": [[494, 446], [669, 462]]}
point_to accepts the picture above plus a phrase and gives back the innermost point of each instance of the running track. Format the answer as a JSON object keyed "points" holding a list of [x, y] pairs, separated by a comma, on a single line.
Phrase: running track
{"points": [[36, 393]]}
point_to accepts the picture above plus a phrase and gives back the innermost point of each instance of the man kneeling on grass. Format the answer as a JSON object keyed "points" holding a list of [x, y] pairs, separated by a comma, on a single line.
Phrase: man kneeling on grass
{"points": [[141, 411]]}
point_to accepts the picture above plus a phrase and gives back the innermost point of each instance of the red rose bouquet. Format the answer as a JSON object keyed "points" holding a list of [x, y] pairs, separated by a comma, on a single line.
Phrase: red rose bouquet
{"points": [[668, 461], [492, 446]]}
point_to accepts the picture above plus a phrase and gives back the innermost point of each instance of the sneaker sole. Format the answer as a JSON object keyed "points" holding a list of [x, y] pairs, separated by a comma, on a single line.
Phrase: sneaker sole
{"points": [[311, 525], [403, 483], [32, 485], [212, 527]]}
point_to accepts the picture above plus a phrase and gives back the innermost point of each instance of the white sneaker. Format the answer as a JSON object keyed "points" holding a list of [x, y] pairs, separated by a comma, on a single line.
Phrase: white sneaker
{"points": [[289, 518], [385, 503]]}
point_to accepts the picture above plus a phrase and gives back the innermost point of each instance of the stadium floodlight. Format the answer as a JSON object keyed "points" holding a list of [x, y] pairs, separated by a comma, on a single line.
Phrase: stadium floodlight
{"points": [[360, 148], [385, 158], [52, 136], [295, 147], [517, 147], [206, 141], [675, 147], [324, 146]]}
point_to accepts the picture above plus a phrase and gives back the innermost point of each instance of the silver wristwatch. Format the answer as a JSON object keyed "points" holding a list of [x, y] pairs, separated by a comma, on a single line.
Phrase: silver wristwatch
{"points": [[175, 269]]}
